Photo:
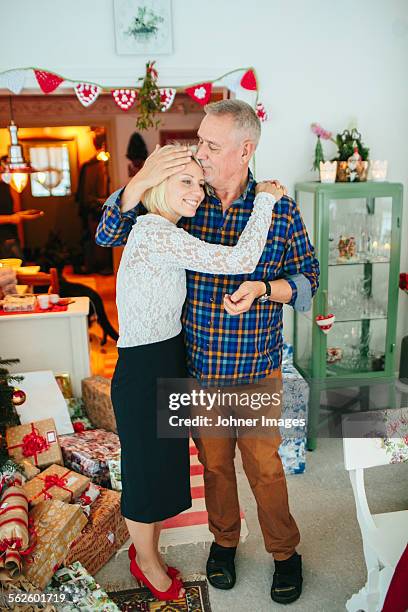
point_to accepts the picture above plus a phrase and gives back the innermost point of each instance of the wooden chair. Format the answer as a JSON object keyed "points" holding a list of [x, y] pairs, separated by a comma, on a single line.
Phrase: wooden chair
{"points": [[385, 536], [40, 279]]}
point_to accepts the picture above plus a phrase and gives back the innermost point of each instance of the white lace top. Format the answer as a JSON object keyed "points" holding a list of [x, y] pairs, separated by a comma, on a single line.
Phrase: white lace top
{"points": [[151, 281]]}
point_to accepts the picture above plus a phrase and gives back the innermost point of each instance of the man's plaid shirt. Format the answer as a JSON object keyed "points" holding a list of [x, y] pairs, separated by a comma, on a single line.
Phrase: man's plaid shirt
{"points": [[224, 349]]}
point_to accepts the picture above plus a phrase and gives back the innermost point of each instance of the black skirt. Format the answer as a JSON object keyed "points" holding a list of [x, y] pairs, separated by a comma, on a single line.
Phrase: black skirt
{"points": [[155, 471]]}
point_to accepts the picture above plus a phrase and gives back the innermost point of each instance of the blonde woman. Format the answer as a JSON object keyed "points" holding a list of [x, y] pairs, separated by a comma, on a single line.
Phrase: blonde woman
{"points": [[151, 289]]}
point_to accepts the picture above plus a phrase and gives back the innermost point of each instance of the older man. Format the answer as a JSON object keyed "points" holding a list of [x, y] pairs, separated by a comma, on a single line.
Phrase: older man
{"points": [[233, 326]]}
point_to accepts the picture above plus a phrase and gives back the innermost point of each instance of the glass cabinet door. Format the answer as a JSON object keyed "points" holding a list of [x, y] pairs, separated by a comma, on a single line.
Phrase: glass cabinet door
{"points": [[359, 251]]}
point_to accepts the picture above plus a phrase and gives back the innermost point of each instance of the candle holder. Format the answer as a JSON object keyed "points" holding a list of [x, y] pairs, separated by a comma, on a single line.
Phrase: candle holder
{"points": [[328, 171], [378, 170]]}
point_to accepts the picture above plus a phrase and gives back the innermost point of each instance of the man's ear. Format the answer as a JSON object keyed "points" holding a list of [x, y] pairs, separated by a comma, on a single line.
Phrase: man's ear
{"points": [[248, 149]]}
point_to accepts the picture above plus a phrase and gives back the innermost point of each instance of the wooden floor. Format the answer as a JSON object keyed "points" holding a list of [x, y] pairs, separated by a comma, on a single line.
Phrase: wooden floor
{"points": [[103, 358]]}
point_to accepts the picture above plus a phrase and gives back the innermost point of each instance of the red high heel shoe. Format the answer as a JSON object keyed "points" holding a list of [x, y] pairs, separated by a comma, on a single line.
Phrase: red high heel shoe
{"points": [[173, 572], [169, 595]]}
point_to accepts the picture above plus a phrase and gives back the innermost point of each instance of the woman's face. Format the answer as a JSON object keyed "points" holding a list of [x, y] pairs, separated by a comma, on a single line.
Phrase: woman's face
{"points": [[185, 190]]}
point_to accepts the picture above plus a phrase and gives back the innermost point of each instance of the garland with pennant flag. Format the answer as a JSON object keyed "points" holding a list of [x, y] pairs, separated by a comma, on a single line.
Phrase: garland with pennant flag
{"points": [[238, 81]]}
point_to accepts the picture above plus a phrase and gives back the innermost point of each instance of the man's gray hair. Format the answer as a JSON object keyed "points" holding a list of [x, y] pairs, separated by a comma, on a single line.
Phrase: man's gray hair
{"points": [[243, 115]]}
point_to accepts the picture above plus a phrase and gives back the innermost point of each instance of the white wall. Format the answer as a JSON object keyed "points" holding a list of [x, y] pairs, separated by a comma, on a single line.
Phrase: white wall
{"points": [[315, 60]]}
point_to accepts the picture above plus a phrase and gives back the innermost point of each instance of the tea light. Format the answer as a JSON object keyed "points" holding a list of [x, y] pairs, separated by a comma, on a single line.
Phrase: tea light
{"points": [[378, 170], [328, 172]]}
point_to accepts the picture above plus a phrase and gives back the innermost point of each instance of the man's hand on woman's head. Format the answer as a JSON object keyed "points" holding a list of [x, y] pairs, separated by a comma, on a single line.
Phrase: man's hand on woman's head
{"points": [[7, 281], [162, 163], [273, 187]]}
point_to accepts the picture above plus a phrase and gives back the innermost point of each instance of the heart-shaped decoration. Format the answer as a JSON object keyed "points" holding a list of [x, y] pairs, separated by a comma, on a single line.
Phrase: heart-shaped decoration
{"points": [[325, 322], [167, 98], [124, 98], [86, 93]]}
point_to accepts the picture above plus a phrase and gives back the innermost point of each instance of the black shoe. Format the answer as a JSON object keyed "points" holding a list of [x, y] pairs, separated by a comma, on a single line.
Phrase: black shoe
{"points": [[287, 580], [221, 567]]}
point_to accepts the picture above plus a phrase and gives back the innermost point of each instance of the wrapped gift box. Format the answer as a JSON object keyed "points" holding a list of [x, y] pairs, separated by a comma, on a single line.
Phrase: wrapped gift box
{"points": [[83, 593], [14, 532], [89, 452], [104, 534], [56, 482], [115, 472], [295, 406], [37, 442], [56, 525], [96, 396]]}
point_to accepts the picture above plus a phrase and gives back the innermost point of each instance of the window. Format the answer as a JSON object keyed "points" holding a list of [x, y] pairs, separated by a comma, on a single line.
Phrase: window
{"points": [[52, 176]]}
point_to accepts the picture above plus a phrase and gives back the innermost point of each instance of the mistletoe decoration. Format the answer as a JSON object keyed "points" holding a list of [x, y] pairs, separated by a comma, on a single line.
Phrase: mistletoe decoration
{"points": [[148, 103]]}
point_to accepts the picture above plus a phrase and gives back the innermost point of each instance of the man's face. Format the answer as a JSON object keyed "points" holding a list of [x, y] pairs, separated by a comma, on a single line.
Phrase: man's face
{"points": [[219, 149]]}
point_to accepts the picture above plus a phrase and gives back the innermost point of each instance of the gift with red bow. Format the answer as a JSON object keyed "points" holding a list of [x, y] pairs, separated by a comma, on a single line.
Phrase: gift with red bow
{"points": [[17, 536], [56, 482], [37, 442]]}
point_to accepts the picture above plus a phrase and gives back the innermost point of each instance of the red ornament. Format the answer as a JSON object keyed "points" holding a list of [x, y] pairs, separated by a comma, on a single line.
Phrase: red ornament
{"points": [[124, 98], [200, 93], [47, 81], [167, 98], [87, 94], [261, 112], [19, 397], [248, 81], [79, 427]]}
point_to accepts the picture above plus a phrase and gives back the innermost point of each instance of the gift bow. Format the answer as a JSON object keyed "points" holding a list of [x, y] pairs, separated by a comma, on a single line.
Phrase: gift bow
{"points": [[53, 480], [33, 444], [11, 555]]}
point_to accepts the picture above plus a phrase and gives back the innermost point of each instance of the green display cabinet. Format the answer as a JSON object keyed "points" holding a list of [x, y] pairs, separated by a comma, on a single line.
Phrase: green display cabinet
{"points": [[356, 229]]}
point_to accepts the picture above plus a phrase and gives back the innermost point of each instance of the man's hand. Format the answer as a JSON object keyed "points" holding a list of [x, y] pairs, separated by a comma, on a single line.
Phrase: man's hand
{"points": [[162, 163], [7, 281], [242, 299], [272, 187], [29, 215]]}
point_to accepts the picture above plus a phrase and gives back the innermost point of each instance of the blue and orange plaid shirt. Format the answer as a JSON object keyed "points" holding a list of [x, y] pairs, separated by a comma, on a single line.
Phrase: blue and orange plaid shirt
{"points": [[224, 349]]}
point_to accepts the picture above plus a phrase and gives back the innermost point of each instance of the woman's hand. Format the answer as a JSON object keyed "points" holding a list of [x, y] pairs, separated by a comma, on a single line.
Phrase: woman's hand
{"points": [[162, 163], [272, 187]]}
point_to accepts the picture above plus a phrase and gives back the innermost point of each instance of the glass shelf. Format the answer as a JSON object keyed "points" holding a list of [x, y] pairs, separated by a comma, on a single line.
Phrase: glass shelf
{"points": [[352, 319], [360, 262]]}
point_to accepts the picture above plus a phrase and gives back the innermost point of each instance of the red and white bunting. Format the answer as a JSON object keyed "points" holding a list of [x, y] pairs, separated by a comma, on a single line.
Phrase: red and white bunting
{"points": [[248, 81], [86, 93], [125, 98], [13, 80], [47, 81], [261, 112], [167, 96], [200, 93]]}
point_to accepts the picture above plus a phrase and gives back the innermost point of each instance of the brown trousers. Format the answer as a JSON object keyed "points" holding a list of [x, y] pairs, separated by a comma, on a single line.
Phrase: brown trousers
{"points": [[264, 470]]}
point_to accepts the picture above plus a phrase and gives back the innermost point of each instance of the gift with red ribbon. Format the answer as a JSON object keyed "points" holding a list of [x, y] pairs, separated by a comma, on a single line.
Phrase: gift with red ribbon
{"points": [[16, 532], [56, 482], [37, 442]]}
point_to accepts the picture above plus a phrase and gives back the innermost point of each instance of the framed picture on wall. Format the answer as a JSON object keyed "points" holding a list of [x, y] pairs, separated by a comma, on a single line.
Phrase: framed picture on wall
{"points": [[181, 136], [143, 27]]}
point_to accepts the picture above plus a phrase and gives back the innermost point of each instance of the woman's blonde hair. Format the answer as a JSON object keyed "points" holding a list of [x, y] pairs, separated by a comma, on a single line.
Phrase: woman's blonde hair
{"points": [[154, 199]]}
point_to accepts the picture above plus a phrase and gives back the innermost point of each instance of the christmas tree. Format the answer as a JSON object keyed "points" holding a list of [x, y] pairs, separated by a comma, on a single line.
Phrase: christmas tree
{"points": [[8, 413]]}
